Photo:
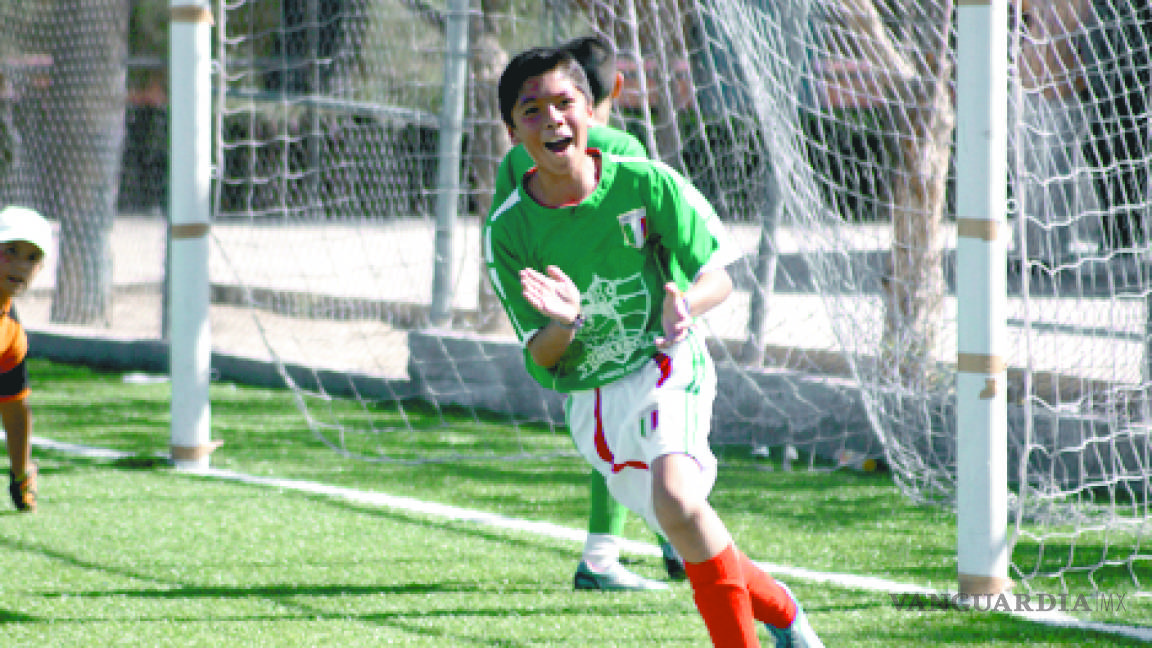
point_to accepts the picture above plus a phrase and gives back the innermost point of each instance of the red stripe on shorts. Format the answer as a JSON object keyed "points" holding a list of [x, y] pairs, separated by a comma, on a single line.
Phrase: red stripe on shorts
{"points": [[665, 364], [602, 449]]}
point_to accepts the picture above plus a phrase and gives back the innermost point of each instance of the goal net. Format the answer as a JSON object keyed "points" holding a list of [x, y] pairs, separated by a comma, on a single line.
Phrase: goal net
{"points": [[345, 252], [822, 130]]}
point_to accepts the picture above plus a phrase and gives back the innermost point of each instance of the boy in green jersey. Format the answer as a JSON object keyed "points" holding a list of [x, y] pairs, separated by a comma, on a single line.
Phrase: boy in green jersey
{"points": [[601, 264], [599, 566]]}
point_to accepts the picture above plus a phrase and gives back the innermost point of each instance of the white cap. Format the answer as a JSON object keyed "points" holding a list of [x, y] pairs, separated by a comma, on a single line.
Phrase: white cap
{"points": [[24, 224]]}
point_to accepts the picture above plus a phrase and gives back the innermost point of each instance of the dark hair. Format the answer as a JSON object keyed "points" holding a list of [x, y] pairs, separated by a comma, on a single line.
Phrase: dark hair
{"points": [[597, 56], [532, 63]]}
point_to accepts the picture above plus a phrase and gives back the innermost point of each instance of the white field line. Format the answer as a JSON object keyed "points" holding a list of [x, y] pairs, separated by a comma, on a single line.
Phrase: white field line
{"points": [[846, 581]]}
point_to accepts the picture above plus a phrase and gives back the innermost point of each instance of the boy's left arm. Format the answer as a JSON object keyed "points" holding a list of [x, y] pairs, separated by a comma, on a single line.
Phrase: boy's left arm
{"points": [[710, 289], [702, 248]]}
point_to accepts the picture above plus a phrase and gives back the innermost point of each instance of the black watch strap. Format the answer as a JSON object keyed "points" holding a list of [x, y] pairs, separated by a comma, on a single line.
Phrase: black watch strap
{"points": [[574, 326]]}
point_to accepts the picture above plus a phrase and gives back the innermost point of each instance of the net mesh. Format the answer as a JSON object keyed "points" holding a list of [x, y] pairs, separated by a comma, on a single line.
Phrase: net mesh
{"points": [[821, 130]]}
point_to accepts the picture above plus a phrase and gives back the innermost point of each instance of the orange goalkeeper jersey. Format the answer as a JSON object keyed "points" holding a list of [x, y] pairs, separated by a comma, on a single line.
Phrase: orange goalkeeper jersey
{"points": [[13, 350]]}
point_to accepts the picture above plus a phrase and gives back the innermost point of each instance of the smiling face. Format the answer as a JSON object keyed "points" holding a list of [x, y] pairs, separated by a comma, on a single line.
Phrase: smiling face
{"points": [[19, 263], [550, 118]]}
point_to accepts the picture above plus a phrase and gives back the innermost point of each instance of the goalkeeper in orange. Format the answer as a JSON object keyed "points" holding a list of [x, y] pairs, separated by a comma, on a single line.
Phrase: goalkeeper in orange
{"points": [[599, 566], [601, 263], [25, 238]]}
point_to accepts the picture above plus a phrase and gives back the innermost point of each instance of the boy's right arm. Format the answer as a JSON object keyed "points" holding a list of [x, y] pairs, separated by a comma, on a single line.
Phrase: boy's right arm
{"points": [[503, 255], [557, 298]]}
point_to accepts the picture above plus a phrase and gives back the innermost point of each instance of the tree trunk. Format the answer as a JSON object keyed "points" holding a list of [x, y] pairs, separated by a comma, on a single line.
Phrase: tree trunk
{"points": [[82, 157], [914, 288]]}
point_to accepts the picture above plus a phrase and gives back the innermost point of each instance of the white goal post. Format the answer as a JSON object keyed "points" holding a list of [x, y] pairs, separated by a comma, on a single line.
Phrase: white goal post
{"points": [[190, 342], [982, 547]]}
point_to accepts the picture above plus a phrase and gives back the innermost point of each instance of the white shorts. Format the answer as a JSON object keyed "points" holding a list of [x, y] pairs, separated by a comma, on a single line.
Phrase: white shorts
{"points": [[664, 407]]}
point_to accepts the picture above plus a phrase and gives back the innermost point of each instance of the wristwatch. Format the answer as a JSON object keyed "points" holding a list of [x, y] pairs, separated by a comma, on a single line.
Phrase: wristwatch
{"points": [[574, 326]]}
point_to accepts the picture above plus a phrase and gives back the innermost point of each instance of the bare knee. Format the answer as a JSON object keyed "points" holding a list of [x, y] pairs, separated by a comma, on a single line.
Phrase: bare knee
{"points": [[676, 498], [680, 502]]}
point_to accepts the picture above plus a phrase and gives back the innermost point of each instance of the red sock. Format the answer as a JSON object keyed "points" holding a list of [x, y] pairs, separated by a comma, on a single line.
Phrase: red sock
{"points": [[770, 602], [722, 598]]}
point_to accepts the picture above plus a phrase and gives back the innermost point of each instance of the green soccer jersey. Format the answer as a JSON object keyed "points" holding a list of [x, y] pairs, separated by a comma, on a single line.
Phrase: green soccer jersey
{"points": [[517, 162], [642, 226]]}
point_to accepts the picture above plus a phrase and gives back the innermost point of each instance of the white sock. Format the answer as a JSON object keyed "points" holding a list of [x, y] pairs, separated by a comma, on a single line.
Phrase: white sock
{"points": [[601, 552]]}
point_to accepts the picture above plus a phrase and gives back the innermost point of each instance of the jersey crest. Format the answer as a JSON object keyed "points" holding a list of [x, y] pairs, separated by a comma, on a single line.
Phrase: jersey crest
{"points": [[635, 227], [617, 311]]}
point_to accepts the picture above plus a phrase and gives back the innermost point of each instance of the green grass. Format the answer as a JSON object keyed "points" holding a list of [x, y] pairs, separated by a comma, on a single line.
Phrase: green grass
{"points": [[132, 552]]}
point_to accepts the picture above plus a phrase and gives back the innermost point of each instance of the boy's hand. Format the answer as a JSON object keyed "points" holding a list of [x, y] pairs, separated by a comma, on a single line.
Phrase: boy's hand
{"points": [[676, 318], [554, 294]]}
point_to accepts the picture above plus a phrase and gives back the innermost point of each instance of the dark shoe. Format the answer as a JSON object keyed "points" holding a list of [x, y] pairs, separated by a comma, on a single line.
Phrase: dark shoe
{"points": [[23, 492], [616, 578], [672, 562]]}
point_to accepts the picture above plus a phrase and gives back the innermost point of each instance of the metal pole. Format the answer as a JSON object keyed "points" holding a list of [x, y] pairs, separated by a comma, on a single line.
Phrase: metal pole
{"points": [[649, 136], [448, 179]]}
